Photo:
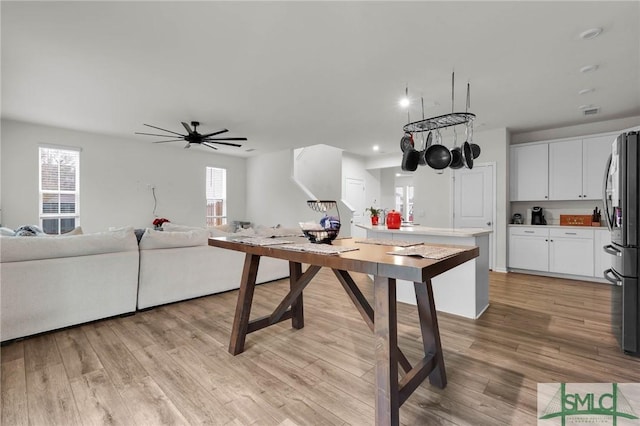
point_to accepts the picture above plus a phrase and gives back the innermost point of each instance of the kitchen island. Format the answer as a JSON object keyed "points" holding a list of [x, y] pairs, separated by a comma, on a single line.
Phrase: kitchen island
{"points": [[463, 290]]}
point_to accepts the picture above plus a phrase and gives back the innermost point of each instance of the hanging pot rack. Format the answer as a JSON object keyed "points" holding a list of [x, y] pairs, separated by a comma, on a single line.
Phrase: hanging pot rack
{"points": [[439, 122], [438, 160]]}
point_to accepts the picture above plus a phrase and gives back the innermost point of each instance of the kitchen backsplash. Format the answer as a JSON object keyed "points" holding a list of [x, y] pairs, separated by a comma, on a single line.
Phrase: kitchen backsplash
{"points": [[553, 209]]}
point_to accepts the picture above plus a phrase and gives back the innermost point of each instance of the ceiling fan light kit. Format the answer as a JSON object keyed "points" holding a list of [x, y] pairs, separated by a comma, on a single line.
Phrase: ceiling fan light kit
{"points": [[193, 136]]}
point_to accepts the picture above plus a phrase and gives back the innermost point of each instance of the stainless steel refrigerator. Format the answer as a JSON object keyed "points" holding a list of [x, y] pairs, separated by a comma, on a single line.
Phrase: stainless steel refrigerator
{"points": [[622, 214]]}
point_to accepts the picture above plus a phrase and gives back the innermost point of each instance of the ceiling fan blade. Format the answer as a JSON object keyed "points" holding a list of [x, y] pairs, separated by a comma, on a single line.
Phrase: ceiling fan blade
{"points": [[224, 143], [226, 139], [210, 146], [215, 133], [186, 126], [164, 130], [153, 134], [172, 140]]}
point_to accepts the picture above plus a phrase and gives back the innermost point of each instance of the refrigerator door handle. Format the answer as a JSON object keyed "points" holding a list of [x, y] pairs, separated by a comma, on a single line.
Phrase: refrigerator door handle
{"points": [[605, 185], [612, 250], [611, 276]]}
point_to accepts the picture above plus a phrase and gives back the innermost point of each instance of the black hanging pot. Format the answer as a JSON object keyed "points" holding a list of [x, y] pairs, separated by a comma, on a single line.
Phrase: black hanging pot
{"points": [[467, 155], [438, 157], [456, 158], [410, 160]]}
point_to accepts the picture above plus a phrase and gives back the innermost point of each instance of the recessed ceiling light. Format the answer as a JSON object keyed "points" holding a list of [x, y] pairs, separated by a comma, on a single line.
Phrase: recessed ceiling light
{"points": [[585, 91], [376, 147], [404, 102], [590, 33], [588, 68], [398, 175]]}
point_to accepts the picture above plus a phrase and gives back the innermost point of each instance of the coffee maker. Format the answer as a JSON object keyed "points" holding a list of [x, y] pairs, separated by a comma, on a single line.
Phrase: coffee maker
{"points": [[537, 218]]}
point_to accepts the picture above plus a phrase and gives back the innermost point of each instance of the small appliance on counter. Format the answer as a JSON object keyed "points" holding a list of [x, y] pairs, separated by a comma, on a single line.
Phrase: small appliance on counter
{"points": [[517, 219], [394, 220], [537, 218]]}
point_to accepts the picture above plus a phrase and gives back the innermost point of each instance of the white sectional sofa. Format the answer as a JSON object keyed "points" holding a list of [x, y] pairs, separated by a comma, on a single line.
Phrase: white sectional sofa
{"points": [[54, 282], [178, 264]]}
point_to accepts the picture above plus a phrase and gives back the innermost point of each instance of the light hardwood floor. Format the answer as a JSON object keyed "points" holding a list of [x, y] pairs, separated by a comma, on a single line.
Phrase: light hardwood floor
{"points": [[170, 365]]}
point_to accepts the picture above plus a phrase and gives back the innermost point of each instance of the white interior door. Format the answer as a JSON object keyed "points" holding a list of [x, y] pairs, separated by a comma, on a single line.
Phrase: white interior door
{"points": [[355, 197], [474, 201]]}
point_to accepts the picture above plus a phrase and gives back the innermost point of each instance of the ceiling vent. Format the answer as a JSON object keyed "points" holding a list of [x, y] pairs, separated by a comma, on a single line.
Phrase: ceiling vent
{"points": [[591, 111]]}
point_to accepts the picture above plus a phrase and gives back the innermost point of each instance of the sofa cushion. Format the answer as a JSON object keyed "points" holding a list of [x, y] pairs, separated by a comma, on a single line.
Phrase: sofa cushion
{"points": [[17, 249], [153, 239]]}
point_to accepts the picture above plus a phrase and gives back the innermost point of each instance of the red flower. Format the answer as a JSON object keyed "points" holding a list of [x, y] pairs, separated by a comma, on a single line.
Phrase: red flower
{"points": [[159, 221]]}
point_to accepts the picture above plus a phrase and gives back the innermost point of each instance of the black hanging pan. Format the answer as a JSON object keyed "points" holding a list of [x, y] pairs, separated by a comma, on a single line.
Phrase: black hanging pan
{"points": [[467, 154], [410, 160], [406, 143], [423, 159]]}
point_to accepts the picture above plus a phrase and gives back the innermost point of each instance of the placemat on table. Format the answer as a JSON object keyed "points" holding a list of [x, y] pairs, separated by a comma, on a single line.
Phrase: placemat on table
{"points": [[428, 252], [387, 242]]}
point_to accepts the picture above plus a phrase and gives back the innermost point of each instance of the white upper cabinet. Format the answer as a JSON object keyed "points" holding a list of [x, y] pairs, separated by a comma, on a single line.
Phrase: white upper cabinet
{"points": [[529, 174], [565, 170], [595, 152], [571, 169]]}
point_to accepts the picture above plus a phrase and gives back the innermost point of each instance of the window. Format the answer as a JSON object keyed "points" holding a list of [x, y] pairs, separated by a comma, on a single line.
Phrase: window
{"points": [[216, 193], [59, 189], [404, 202]]}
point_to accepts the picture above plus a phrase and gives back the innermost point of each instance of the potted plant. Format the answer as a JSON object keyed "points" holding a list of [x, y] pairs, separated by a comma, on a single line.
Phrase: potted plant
{"points": [[375, 214]]}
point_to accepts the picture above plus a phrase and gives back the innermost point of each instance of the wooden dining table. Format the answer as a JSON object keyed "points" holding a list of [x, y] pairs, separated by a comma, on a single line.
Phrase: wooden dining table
{"points": [[373, 259]]}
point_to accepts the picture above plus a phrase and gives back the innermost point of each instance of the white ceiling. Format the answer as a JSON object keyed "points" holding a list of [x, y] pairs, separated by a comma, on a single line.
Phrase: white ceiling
{"points": [[292, 74]]}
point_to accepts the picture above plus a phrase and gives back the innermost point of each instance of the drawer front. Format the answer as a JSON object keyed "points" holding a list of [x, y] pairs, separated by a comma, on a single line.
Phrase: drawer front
{"points": [[571, 233], [529, 230]]}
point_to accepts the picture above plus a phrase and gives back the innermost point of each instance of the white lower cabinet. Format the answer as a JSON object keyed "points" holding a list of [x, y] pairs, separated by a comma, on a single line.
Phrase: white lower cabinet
{"points": [[571, 251], [529, 248], [561, 250]]}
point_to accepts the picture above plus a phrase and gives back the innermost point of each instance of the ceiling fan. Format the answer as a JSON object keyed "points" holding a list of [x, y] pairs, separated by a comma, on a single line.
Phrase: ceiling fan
{"points": [[193, 136]]}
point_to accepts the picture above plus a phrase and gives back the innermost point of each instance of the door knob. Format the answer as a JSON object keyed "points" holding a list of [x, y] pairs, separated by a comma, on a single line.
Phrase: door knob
{"points": [[488, 223]]}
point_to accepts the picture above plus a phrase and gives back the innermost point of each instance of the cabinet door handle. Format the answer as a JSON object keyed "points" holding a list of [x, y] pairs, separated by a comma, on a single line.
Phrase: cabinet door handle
{"points": [[570, 233], [546, 196], [579, 196], [551, 240], [529, 232]]}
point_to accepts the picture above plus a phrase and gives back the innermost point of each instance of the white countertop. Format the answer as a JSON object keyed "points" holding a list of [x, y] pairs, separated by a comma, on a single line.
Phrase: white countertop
{"points": [[425, 230]]}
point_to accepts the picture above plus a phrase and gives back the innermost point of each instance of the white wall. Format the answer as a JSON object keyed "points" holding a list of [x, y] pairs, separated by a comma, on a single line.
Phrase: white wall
{"points": [[114, 178], [353, 167], [272, 196]]}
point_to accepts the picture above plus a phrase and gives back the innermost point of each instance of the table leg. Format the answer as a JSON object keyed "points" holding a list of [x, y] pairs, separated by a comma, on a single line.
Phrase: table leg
{"points": [[243, 306], [386, 346], [297, 307], [430, 331]]}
